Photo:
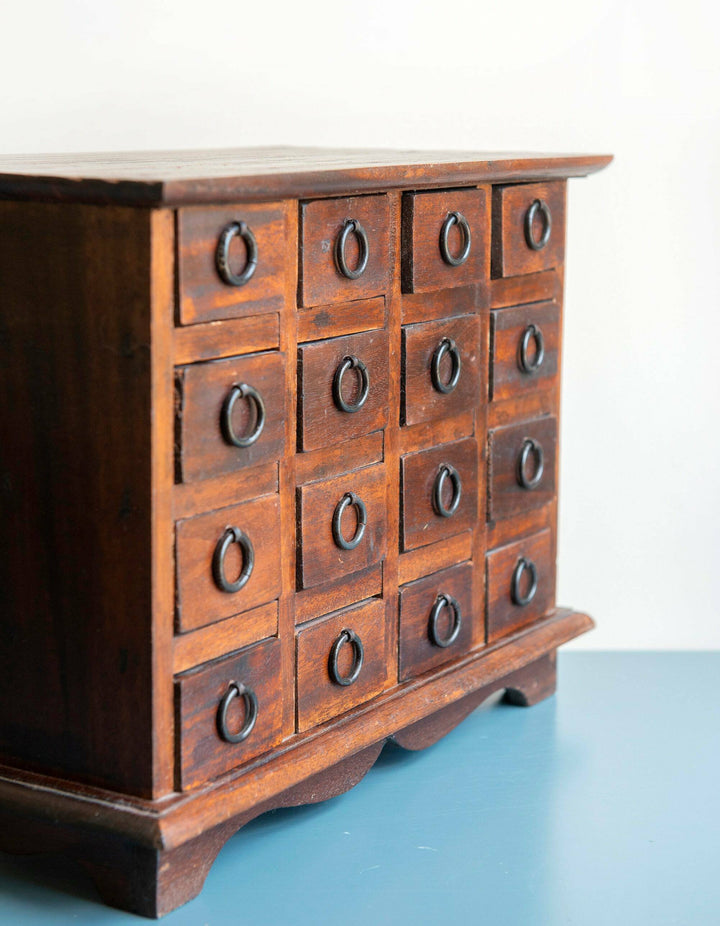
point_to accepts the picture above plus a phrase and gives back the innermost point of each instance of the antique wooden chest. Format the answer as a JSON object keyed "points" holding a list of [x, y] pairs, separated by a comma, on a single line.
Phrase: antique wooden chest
{"points": [[278, 475]]}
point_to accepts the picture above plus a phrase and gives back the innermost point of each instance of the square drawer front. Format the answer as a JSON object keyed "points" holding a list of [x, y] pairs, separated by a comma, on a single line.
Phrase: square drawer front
{"points": [[522, 467], [345, 249], [524, 343], [229, 711], [520, 584], [229, 414], [445, 239], [436, 618], [441, 368], [343, 388], [528, 228], [227, 562], [231, 261], [342, 660], [343, 525], [439, 492]]}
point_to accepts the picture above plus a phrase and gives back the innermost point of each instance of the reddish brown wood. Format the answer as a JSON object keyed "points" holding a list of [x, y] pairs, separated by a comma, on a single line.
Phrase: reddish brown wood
{"points": [[531, 287], [321, 422], [331, 321], [510, 330], [226, 339], [203, 295], [339, 593], [506, 495], [333, 461], [511, 254], [322, 222], [443, 553], [193, 498], [215, 640], [503, 614], [442, 303]]}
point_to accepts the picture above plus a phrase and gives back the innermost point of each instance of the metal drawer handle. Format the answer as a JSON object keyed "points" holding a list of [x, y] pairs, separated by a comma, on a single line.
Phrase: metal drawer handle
{"points": [[444, 601], [230, 536], [530, 446], [455, 218], [237, 690], [522, 565], [222, 254], [446, 346], [346, 636], [351, 226], [242, 391], [349, 498], [446, 471], [537, 244], [351, 363], [525, 362]]}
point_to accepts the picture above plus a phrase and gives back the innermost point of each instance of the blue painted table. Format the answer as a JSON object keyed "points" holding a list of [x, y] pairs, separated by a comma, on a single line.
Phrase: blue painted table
{"points": [[598, 806]]}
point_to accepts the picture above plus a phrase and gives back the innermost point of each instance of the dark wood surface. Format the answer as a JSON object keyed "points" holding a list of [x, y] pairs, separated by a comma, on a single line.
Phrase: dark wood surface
{"points": [[511, 254], [508, 329], [506, 496]]}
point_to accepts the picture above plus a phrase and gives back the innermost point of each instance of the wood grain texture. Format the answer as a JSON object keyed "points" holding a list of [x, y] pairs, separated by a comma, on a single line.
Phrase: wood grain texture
{"points": [[339, 593], [443, 303], [318, 696], [511, 254], [506, 496], [227, 338], [333, 461], [332, 321], [202, 295], [193, 498], [321, 222], [226, 636], [321, 422], [423, 216], [531, 287], [508, 327], [434, 556]]}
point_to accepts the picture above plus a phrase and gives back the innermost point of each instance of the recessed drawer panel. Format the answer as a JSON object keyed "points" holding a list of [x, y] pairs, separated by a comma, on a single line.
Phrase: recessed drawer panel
{"points": [[524, 343], [343, 525], [227, 562], [342, 660], [520, 584], [528, 228], [436, 618], [231, 261], [522, 467], [229, 711], [445, 239], [343, 388], [229, 414], [439, 492], [441, 368], [345, 249]]}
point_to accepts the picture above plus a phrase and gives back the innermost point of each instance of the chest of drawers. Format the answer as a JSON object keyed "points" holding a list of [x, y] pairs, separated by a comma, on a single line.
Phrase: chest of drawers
{"points": [[278, 474]]}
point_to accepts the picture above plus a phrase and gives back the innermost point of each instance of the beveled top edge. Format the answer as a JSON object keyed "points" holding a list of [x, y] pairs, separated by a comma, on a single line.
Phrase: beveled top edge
{"points": [[246, 174]]}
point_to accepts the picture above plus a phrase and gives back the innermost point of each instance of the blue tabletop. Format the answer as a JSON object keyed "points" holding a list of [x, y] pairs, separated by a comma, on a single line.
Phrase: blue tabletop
{"points": [[598, 806]]}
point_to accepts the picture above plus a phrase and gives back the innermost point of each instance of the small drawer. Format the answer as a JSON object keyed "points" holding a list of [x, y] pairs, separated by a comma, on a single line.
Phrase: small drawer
{"points": [[441, 368], [520, 584], [436, 618], [439, 492], [342, 661], [227, 562], [343, 525], [343, 388], [231, 261], [445, 239], [345, 249], [524, 344], [528, 228], [229, 711], [229, 414], [522, 467]]}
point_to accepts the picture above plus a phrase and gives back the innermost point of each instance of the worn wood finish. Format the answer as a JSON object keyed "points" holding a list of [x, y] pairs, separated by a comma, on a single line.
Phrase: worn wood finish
{"points": [[531, 287], [333, 321], [339, 593], [506, 495], [443, 303], [226, 339], [193, 498], [434, 556], [421, 399], [321, 422], [333, 461], [516, 366], [203, 295], [225, 636], [511, 253]]}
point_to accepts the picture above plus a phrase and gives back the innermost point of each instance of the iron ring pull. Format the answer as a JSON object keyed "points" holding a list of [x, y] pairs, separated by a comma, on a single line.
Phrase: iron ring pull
{"points": [[532, 332], [530, 446], [222, 254], [349, 498], [446, 346], [443, 601], [537, 244], [517, 596], [455, 218], [242, 391], [445, 472], [351, 363], [230, 536], [352, 226], [237, 690], [346, 636]]}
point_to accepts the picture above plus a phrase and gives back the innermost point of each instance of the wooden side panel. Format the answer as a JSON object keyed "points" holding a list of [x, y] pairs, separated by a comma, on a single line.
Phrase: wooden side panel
{"points": [[76, 692]]}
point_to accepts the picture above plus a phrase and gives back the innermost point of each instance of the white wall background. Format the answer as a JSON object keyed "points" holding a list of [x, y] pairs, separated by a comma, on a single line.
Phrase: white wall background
{"points": [[640, 517]]}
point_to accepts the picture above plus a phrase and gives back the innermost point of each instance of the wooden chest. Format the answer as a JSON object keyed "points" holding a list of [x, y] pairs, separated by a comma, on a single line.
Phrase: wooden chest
{"points": [[278, 476]]}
